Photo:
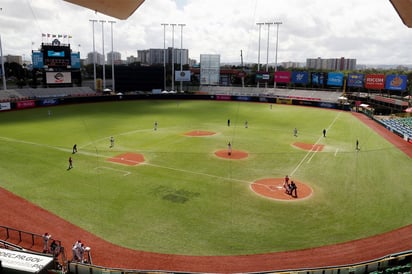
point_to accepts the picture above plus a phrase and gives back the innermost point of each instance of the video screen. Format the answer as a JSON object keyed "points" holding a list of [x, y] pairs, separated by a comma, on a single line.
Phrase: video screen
{"points": [[52, 53]]}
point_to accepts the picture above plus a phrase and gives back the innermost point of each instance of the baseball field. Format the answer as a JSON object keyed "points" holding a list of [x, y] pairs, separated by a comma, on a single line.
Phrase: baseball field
{"points": [[172, 189]]}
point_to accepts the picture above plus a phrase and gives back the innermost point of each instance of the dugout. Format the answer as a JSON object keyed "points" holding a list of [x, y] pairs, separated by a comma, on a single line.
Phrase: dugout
{"points": [[24, 262]]}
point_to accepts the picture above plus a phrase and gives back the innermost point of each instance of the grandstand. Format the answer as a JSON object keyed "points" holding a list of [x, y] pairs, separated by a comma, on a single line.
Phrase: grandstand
{"points": [[38, 93], [400, 126], [300, 94]]}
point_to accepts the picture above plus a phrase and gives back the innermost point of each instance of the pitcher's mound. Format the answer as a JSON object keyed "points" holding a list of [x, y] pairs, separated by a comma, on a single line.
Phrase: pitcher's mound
{"points": [[130, 159], [235, 155], [273, 188], [199, 133]]}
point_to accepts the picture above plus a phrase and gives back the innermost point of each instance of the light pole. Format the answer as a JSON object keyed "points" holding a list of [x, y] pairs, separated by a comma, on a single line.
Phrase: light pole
{"points": [[164, 54], [173, 56], [276, 51], [104, 58], [3, 72], [181, 53], [111, 30], [94, 57], [260, 32], [267, 47]]}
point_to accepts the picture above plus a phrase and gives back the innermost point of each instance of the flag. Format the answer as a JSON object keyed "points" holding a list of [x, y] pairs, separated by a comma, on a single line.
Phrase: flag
{"points": [[43, 35], [48, 34], [70, 36], [65, 36], [60, 36], [54, 35]]}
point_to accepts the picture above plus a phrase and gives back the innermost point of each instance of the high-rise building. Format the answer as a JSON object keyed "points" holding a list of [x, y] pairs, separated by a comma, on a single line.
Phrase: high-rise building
{"points": [[331, 64], [117, 58], [99, 58], [155, 56]]}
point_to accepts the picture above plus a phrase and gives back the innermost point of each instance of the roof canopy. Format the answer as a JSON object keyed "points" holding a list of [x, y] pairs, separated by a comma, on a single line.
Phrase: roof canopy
{"points": [[120, 9], [404, 10]]}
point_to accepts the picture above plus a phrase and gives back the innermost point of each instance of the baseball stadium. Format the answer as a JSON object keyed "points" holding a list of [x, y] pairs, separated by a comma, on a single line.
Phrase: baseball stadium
{"points": [[216, 180]]}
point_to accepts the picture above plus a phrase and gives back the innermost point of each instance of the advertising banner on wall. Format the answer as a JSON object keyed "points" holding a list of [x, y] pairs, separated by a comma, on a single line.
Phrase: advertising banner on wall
{"points": [[262, 76], [375, 81], [58, 77], [396, 82], [183, 76], [282, 77], [5, 106], [355, 80], [335, 79], [25, 104], [300, 77], [23, 262]]}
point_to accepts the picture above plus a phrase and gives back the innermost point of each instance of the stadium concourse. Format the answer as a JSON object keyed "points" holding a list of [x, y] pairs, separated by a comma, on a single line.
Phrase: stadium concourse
{"points": [[21, 214]]}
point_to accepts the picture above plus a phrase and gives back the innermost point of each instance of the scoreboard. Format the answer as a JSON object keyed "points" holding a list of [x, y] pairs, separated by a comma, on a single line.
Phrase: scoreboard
{"points": [[56, 55]]}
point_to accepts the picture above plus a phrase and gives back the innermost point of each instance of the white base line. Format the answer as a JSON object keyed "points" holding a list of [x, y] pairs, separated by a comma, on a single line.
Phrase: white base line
{"points": [[336, 151], [125, 173]]}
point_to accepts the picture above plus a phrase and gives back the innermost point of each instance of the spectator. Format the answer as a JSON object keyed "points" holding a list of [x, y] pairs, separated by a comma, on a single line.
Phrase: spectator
{"points": [[46, 237]]}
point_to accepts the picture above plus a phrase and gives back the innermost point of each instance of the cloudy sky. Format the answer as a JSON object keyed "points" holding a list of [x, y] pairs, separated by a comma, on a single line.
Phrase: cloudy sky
{"points": [[367, 30]]}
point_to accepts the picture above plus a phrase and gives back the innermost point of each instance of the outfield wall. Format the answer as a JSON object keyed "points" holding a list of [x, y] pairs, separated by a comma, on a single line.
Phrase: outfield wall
{"points": [[48, 102]]}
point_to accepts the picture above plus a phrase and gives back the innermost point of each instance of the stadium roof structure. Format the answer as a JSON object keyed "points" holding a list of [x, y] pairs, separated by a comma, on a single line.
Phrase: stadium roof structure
{"points": [[120, 9], [404, 10]]}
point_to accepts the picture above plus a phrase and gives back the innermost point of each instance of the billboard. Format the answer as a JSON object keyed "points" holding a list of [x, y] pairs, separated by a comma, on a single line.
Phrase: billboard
{"points": [[262, 76], [282, 77], [318, 78], [56, 56], [300, 77], [14, 261], [375, 81], [396, 82], [58, 77], [209, 69], [335, 79], [355, 80], [183, 75], [37, 59], [75, 60]]}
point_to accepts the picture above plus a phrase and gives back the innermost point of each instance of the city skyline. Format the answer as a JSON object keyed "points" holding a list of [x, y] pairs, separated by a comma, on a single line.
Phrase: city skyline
{"points": [[369, 31]]}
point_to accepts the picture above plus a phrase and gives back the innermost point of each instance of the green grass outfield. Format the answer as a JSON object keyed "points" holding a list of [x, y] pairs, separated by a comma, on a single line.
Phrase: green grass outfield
{"points": [[185, 200]]}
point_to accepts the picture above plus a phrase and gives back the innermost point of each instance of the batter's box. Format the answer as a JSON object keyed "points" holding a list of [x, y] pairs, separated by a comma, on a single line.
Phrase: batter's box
{"points": [[129, 159]]}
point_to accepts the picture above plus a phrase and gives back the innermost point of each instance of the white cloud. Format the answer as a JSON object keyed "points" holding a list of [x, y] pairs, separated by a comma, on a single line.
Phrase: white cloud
{"points": [[369, 30]]}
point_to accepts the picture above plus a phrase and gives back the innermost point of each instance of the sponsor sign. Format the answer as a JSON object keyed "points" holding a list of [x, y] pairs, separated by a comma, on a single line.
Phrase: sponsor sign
{"points": [[282, 77], [48, 102], [300, 77], [396, 82], [318, 78], [335, 79], [355, 80], [375, 81], [183, 75], [5, 106], [262, 76], [25, 104], [23, 261], [58, 77], [37, 59], [223, 97], [75, 60]]}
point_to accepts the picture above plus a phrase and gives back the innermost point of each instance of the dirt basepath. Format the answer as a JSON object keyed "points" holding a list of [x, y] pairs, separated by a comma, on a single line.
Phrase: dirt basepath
{"points": [[18, 213]]}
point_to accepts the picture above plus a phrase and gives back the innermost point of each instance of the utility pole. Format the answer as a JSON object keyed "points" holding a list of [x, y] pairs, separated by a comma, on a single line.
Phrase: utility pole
{"points": [[181, 54], [111, 30], [164, 54], [260, 31], [104, 57], [94, 57], [173, 56], [276, 51]]}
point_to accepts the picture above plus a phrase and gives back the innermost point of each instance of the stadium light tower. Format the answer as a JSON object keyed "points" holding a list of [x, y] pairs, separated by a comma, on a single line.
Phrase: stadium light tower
{"points": [[173, 56], [111, 30], [94, 57], [181, 53], [276, 51], [164, 54], [267, 47], [260, 32], [104, 58]]}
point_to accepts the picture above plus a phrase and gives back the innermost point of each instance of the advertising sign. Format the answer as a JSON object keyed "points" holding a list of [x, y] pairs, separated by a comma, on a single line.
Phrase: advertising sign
{"points": [[23, 261], [183, 75], [5, 106], [209, 69], [375, 81], [300, 77], [58, 77], [355, 80], [318, 78], [37, 59], [75, 62], [282, 77], [25, 104], [396, 82], [335, 79], [262, 76]]}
